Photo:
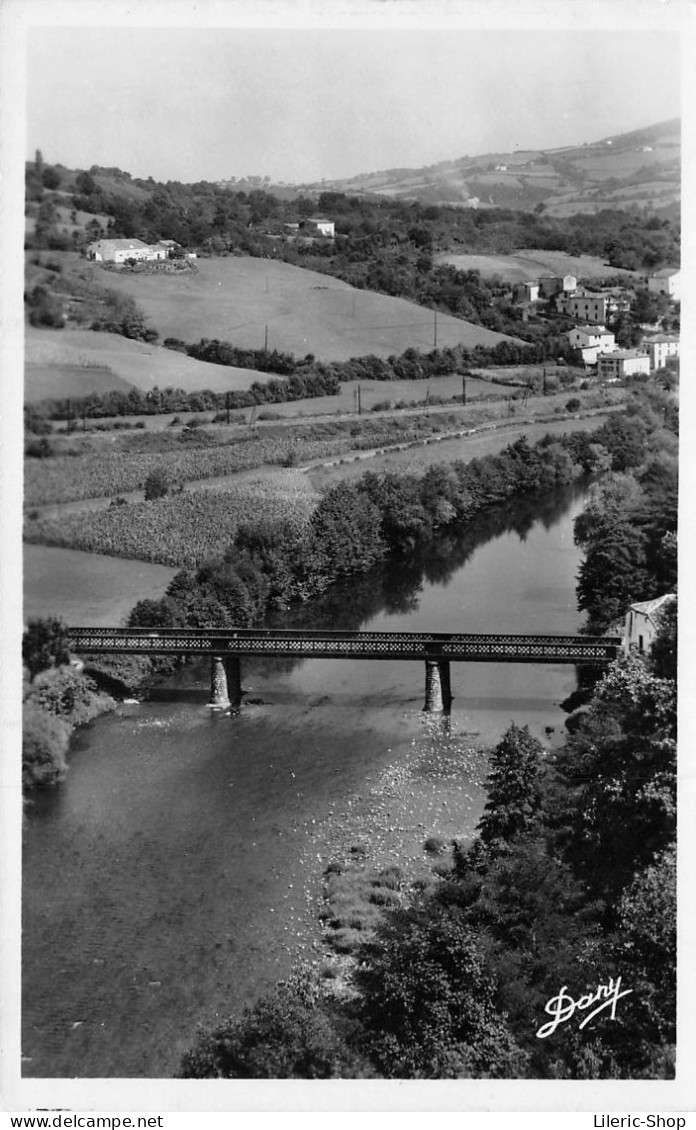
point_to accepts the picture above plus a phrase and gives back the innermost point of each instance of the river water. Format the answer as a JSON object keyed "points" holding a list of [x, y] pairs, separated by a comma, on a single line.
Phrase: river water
{"points": [[174, 875]]}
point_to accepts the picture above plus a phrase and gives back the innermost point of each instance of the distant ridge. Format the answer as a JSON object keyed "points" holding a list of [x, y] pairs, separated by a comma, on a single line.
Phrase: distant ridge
{"points": [[640, 169]]}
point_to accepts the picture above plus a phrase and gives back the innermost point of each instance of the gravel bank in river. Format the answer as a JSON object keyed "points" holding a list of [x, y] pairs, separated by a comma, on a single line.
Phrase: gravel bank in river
{"points": [[433, 791]]}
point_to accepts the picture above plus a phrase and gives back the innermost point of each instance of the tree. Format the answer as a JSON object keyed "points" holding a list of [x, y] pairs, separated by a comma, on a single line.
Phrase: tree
{"points": [[427, 1000], [663, 654], [44, 746], [157, 484], [345, 532], [515, 787], [45, 644], [50, 177], [288, 1034], [619, 768]]}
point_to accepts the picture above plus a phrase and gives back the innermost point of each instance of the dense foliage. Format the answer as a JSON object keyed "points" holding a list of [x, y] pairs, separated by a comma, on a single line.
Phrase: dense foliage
{"points": [[628, 530], [56, 698], [380, 242]]}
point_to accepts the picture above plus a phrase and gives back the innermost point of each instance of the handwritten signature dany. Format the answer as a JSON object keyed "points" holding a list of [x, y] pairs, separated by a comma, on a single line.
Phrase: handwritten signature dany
{"points": [[563, 1006]]}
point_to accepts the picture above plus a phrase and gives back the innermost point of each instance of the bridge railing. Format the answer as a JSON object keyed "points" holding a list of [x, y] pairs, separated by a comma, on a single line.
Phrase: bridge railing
{"points": [[455, 646]]}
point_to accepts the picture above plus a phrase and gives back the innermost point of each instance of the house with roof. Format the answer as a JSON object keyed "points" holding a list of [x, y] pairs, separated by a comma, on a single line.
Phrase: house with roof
{"points": [[556, 284], [590, 306], [643, 622], [621, 363], [526, 291], [118, 250], [319, 226], [667, 281], [660, 347], [591, 341]]}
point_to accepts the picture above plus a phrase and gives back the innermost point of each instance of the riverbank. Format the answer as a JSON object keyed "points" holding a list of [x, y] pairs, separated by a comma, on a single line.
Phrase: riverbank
{"points": [[385, 841]]}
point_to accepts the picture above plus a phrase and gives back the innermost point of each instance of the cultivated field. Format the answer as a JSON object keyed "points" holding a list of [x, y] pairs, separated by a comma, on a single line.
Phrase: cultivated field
{"points": [[528, 264], [61, 363], [182, 530], [237, 299]]}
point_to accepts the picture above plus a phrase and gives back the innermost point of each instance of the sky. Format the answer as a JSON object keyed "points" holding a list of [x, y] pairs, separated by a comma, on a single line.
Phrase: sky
{"points": [[305, 104]]}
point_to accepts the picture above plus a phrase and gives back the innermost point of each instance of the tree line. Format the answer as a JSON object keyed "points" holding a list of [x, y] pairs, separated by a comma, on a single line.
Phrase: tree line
{"points": [[302, 378], [219, 218]]}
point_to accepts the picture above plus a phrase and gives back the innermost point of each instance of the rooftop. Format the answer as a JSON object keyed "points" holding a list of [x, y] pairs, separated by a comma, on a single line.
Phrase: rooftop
{"points": [[650, 607]]}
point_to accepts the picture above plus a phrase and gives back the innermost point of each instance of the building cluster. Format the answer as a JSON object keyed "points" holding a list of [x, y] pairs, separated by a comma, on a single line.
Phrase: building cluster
{"points": [[122, 250], [593, 309]]}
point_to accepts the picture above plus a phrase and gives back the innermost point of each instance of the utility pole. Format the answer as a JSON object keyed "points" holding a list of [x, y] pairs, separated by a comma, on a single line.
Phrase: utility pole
{"points": [[435, 330], [265, 340], [359, 403], [463, 390], [544, 380], [227, 405]]}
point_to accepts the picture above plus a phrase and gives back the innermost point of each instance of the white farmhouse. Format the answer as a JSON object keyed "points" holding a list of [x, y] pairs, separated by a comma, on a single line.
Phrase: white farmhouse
{"points": [[321, 226], [659, 348], [118, 250], [622, 363], [667, 281], [591, 341]]}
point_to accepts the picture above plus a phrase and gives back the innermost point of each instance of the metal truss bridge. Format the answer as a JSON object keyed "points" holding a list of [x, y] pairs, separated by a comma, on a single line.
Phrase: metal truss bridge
{"points": [[226, 646], [456, 647]]}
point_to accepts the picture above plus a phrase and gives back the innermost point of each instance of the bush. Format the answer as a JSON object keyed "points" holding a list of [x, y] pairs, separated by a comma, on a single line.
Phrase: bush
{"points": [[65, 693], [44, 746], [573, 405], [44, 645], [39, 449], [156, 484]]}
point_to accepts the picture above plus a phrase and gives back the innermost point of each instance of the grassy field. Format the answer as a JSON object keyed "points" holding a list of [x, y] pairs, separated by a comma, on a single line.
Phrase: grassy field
{"points": [[237, 298], [68, 362], [530, 263]]}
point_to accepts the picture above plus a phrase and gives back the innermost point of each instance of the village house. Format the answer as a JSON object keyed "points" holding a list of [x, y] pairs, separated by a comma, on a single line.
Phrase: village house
{"points": [[667, 281], [642, 623], [121, 250], [556, 284], [590, 306], [591, 341], [622, 363], [320, 226], [660, 348], [526, 291]]}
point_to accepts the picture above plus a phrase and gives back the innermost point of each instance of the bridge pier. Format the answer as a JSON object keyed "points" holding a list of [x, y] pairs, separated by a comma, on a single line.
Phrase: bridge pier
{"points": [[233, 672], [219, 695], [438, 687]]}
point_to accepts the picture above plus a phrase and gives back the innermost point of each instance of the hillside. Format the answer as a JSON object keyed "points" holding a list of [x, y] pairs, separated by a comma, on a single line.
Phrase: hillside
{"points": [[73, 362], [641, 168], [236, 298]]}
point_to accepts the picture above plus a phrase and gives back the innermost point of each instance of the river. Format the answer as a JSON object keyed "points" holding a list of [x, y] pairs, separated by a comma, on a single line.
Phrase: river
{"points": [[175, 874]]}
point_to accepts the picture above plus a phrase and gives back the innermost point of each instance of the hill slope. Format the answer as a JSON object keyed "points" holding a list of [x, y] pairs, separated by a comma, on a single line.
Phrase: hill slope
{"points": [[639, 168], [236, 298]]}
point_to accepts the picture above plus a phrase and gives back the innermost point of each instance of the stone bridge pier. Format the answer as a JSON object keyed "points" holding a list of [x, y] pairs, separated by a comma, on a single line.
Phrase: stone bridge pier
{"points": [[225, 682], [438, 687]]}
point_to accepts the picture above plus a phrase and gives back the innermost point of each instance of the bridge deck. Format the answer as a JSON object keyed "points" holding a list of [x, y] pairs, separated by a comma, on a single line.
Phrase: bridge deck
{"points": [[453, 646]]}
